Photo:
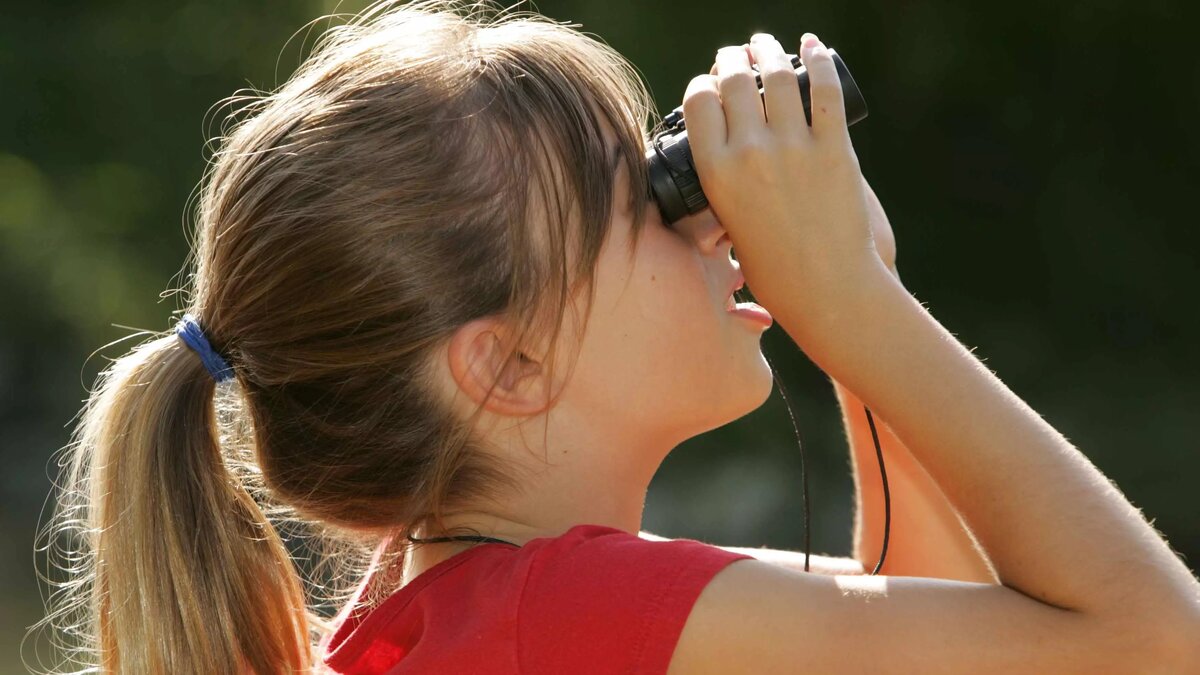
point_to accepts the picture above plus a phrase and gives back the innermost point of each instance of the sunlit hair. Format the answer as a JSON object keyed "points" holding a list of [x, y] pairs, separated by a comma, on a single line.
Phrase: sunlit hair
{"points": [[427, 165]]}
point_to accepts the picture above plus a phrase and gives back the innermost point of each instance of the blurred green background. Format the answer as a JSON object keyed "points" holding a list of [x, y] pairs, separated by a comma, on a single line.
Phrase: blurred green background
{"points": [[1037, 161]]}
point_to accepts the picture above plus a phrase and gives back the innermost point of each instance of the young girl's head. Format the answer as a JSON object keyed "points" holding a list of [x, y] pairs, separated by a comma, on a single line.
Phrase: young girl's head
{"points": [[435, 232]]}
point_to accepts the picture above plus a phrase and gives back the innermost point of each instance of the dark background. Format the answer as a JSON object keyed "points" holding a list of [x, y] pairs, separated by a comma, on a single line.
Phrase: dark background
{"points": [[1037, 162]]}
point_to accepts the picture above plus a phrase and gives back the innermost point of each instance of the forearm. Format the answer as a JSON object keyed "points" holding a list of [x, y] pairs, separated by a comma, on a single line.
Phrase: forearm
{"points": [[794, 560], [1044, 514], [926, 537]]}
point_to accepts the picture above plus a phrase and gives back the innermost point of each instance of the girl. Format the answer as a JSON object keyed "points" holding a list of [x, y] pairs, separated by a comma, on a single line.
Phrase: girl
{"points": [[392, 249]]}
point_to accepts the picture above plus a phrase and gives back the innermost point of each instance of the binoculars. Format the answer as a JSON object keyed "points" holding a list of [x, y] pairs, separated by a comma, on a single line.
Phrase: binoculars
{"points": [[673, 180]]}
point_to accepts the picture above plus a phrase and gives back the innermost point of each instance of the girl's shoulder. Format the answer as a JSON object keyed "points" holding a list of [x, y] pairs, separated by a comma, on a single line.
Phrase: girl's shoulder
{"points": [[601, 599]]}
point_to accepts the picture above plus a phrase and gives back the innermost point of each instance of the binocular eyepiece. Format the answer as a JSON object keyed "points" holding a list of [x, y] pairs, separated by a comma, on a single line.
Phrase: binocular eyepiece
{"points": [[673, 180]]}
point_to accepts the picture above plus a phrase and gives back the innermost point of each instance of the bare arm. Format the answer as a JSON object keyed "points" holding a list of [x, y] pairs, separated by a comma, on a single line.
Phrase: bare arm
{"points": [[1087, 585], [793, 560], [758, 617], [926, 538], [1049, 520]]}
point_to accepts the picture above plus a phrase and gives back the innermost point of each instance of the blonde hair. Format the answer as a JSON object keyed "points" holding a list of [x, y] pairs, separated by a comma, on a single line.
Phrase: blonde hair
{"points": [[427, 165]]}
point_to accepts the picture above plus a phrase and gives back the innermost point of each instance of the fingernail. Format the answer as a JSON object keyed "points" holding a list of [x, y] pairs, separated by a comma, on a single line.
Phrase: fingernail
{"points": [[810, 45], [757, 37]]}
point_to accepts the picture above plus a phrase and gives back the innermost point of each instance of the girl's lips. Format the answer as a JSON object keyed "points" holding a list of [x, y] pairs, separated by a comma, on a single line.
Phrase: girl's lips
{"points": [[736, 284]]}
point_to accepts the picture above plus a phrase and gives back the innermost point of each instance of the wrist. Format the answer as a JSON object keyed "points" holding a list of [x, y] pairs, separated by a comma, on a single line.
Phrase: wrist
{"points": [[817, 309]]}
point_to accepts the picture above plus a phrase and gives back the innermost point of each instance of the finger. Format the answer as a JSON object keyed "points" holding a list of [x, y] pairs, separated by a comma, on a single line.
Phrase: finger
{"points": [[781, 91], [744, 114], [825, 89], [705, 119]]}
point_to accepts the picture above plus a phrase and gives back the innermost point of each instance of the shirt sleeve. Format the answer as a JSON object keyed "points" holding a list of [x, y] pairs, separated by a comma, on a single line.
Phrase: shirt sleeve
{"points": [[613, 603]]}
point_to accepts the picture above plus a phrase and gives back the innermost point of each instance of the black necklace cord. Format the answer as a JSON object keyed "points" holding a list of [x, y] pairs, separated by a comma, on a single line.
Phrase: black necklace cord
{"points": [[803, 467], [887, 497], [464, 537]]}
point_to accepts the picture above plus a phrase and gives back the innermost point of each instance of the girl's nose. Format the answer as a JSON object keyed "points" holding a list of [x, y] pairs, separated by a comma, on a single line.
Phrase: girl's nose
{"points": [[705, 229]]}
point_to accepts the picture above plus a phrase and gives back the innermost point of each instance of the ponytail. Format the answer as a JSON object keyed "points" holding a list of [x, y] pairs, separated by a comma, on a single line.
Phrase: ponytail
{"points": [[179, 569]]}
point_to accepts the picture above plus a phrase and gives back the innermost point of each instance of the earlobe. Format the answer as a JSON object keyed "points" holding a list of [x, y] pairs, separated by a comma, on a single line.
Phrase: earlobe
{"points": [[476, 355]]}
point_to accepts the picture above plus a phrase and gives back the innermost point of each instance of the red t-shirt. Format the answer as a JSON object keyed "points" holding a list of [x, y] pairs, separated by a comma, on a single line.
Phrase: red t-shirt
{"points": [[595, 599]]}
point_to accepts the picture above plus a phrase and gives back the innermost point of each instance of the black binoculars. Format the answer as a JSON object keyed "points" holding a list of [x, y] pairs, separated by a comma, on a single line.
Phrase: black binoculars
{"points": [[673, 180]]}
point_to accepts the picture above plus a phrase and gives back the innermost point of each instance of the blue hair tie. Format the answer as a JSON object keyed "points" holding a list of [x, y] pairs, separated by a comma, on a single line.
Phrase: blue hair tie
{"points": [[193, 336]]}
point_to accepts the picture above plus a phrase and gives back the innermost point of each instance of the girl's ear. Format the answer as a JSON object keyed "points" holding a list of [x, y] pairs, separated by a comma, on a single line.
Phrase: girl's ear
{"points": [[479, 360]]}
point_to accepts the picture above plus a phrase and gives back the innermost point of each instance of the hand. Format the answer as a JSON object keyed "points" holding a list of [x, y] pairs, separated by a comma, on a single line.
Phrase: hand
{"points": [[881, 228], [791, 197]]}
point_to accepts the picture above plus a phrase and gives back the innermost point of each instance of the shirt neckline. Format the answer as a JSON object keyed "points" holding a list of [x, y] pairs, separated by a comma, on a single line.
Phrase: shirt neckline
{"points": [[358, 626]]}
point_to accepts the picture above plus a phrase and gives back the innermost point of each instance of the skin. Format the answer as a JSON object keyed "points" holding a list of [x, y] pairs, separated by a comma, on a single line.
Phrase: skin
{"points": [[633, 366], [1065, 603], [811, 243], [689, 246], [661, 361]]}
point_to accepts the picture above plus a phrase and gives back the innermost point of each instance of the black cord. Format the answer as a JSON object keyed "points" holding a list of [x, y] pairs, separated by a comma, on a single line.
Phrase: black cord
{"points": [[803, 467], [887, 497]]}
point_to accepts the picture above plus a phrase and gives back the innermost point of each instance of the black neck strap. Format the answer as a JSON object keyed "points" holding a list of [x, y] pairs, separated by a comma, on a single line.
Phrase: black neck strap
{"points": [[465, 537]]}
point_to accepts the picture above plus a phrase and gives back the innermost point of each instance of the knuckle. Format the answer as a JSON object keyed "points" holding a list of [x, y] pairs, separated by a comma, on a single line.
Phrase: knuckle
{"points": [[699, 84], [736, 79], [709, 163], [822, 56], [778, 60], [791, 143], [752, 152], [699, 91], [779, 77]]}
